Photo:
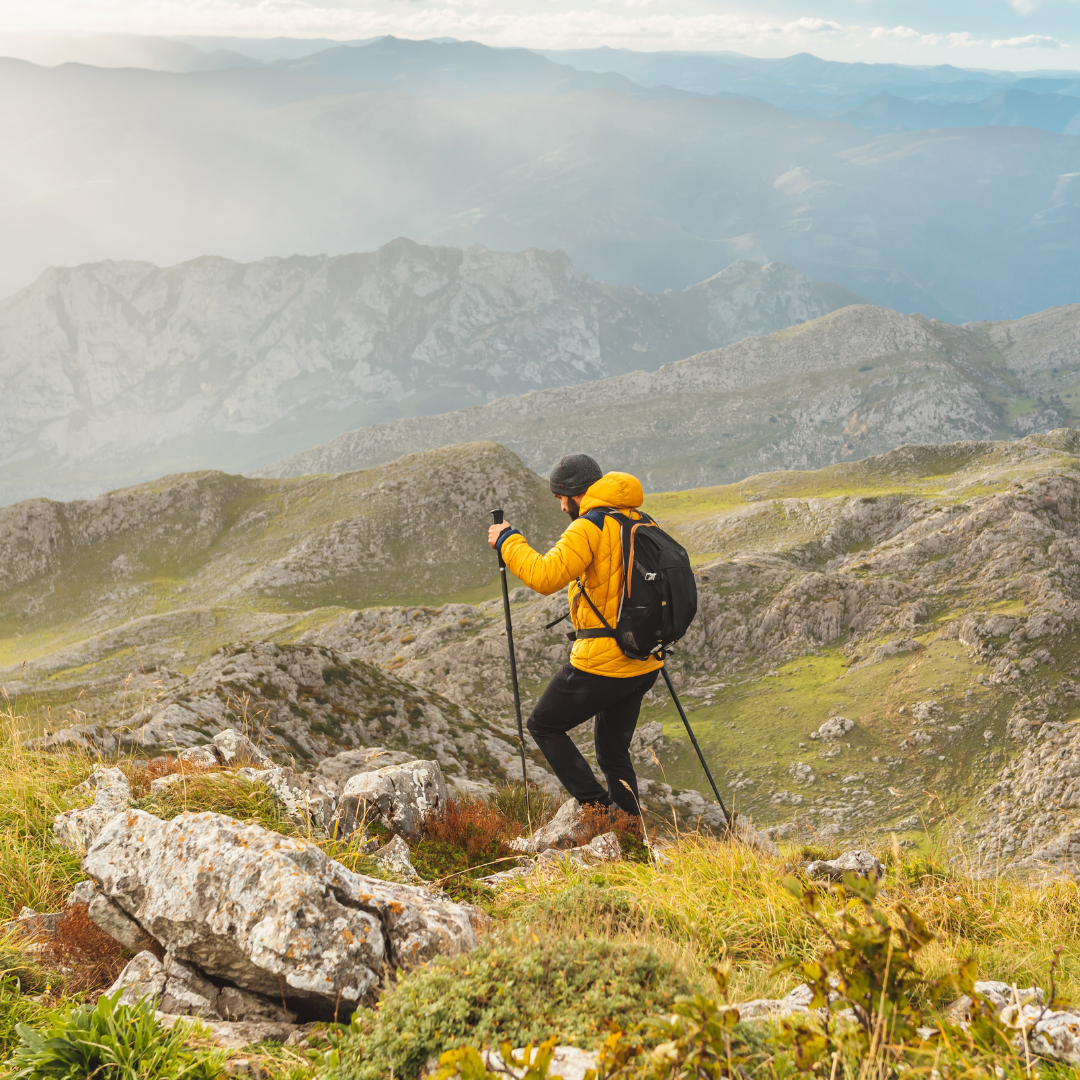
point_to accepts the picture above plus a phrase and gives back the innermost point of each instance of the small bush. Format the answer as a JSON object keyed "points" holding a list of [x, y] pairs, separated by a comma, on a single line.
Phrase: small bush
{"points": [[222, 793], [109, 1041], [141, 774], [466, 838], [597, 820], [87, 955], [508, 989]]}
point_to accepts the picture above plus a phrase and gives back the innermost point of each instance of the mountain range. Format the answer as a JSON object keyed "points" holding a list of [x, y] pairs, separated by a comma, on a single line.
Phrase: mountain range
{"points": [[346, 149], [120, 371], [856, 382]]}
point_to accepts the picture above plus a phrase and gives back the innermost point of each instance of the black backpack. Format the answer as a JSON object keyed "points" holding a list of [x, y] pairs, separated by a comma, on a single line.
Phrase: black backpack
{"points": [[659, 595]]}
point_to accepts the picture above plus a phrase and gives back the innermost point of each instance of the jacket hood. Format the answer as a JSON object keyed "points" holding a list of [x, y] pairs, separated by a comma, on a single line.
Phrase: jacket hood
{"points": [[615, 489]]}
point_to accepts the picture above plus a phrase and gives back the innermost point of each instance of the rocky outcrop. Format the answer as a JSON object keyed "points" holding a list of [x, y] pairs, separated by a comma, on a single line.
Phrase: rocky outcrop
{"points": [[396, 797], [860, 863], [266, 914], [76, 829]]}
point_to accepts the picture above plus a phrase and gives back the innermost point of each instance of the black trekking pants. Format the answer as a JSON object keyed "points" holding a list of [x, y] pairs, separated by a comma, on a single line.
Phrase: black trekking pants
{"points": [[573, 697]]}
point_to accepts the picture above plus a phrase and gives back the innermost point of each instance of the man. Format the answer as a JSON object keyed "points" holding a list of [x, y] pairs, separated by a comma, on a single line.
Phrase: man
{"points": [[600, 680]]}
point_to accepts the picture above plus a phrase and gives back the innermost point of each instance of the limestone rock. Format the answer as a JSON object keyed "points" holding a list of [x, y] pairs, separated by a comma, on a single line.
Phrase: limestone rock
{"points": [[394, 857], [309, 798], [262, 911], [233, 748], [76, 829], [562, 831], [143, 977], [342, 767], [397, 797], [835, 727], [603, 848], [860, 863], [202, 757], [107, 914], [797, 1002]]}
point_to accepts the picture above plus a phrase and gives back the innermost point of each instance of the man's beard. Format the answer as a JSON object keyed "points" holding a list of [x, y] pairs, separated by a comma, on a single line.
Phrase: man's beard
{"points": [[573, 509]]}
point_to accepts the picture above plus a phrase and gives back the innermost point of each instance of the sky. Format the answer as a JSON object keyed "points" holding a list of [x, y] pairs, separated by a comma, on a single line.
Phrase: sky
{"points": [[1001, 34]]}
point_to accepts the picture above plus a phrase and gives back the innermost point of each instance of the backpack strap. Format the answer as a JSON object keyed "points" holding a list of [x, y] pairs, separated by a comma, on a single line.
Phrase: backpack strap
{"points": [[591, 631]]}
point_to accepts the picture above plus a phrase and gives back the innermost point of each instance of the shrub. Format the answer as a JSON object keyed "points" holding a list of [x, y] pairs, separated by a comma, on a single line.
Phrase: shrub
{"points": [[508, 989], [87, 955], [109, 1041], [464, 839], [597, 820]]}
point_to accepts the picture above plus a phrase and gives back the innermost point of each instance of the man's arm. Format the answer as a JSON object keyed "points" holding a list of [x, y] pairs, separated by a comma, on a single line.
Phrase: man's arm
{"points": [[546, 574]]}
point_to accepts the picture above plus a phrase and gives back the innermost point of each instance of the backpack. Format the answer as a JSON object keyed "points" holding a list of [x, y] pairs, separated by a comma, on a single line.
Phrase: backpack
{"points": [[659, 595]]}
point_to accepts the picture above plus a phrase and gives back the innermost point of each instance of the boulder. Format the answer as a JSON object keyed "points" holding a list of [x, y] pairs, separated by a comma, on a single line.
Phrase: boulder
{"points": [[394, 858], [795, 1003], [268, 913], [562, 831], [397, 797], [109, 916], [341, 767], [235, 749], [834, 728], [202, 757], [74, 830], [860, 863], [309, 798], [180, 989]]}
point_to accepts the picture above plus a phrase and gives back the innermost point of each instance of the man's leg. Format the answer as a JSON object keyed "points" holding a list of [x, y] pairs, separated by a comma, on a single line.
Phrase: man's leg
{"points": [[570, 699], [614, 729]]}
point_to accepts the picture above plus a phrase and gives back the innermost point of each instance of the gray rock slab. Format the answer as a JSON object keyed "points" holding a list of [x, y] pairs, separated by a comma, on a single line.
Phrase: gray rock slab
{"points": [[396, 797], [266, 912], [861, 863]]}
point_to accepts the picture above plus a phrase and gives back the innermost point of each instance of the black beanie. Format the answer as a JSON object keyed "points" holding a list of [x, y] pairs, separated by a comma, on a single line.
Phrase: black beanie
{"points": [[574, 475]]}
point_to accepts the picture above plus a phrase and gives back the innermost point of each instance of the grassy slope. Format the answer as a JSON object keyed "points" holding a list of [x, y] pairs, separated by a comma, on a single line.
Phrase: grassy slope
{"points": [[755, 727]]}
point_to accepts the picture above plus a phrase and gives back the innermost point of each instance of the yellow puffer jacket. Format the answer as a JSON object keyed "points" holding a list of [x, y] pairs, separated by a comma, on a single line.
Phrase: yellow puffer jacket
{"points": [[590, 549]]}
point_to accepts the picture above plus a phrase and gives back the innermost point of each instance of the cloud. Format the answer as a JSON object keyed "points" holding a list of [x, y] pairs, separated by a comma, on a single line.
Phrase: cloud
{"points": [[1032, 41], [901, 32]]}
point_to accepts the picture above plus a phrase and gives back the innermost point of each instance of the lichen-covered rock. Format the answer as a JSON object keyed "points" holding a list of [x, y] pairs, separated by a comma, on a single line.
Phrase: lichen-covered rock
{"points": [[341, 767], [76, 829], [861, 863], [394, 858], [562, 831], [568, 1062], [233, 748], [309, 798], [397, 797], [268, 913], [142, 978]]}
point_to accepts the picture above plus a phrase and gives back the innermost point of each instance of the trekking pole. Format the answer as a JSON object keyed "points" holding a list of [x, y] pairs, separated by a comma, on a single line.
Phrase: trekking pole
{"points": [[496, 518], [693, 739]]}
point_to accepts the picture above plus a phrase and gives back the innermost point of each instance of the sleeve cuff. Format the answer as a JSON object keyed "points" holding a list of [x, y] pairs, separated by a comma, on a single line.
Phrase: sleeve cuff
{"points": [[502, 538]]}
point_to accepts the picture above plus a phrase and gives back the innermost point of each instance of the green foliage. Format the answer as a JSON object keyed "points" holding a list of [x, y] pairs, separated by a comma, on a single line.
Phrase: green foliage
{"points": [[222, 793], [466, 1063], [509, 989], [111, 1042], [868, 964]]}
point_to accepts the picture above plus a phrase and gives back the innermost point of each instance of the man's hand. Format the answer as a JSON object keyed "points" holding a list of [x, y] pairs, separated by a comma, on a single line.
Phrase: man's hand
{"points": [[495, 531]]}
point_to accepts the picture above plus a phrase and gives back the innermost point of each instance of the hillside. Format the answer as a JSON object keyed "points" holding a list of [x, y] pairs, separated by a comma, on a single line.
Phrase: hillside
{"points": [[112, 373], [851, 384], [927, 594]]}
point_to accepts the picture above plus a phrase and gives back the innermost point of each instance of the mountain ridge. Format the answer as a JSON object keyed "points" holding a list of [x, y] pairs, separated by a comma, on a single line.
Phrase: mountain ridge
{"points": [[853, 383], [114, 372]]}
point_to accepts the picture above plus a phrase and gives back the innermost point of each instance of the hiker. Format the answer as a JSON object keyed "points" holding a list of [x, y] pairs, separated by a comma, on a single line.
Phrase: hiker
{"points": [[600, 679]]}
